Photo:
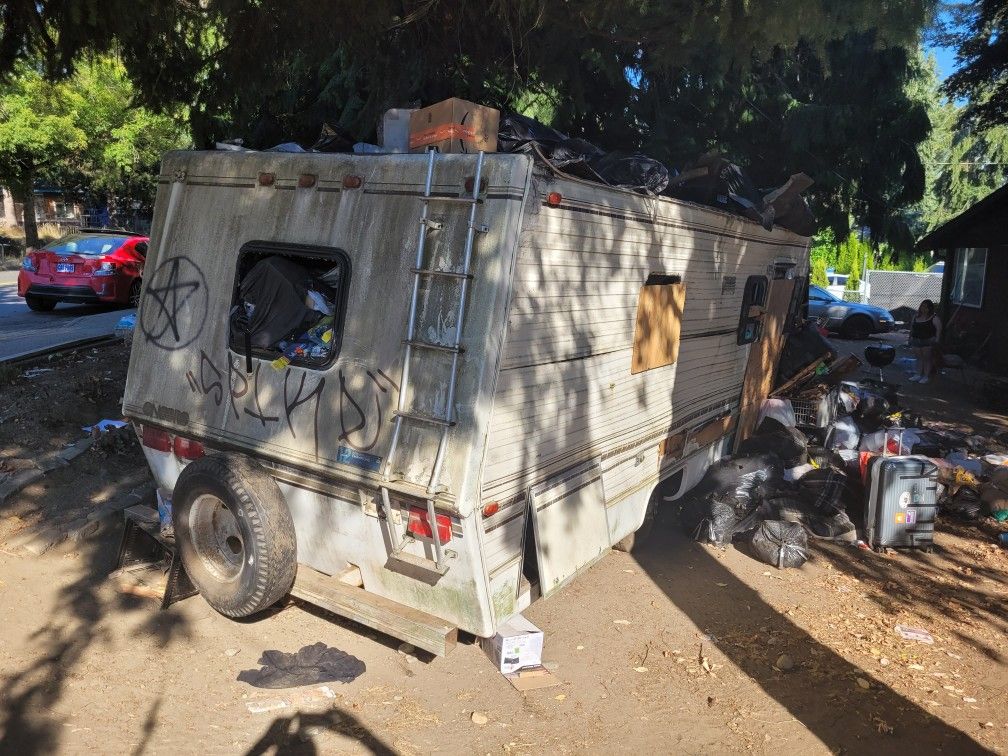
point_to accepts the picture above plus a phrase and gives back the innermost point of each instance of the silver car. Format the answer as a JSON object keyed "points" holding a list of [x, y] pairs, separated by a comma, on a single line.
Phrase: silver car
{"points": [[850, 319]]}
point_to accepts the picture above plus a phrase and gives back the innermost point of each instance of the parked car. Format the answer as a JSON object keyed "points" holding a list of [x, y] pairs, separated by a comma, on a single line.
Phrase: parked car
{"points": [[88, 266], [849, 319], [938, 267]]}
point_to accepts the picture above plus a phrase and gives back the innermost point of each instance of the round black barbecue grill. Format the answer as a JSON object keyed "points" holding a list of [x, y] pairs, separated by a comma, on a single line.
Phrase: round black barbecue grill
{"points": [[880, 356]]}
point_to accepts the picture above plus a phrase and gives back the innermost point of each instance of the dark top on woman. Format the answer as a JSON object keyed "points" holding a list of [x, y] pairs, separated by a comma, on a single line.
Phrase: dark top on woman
{"points": [[923, 329]]}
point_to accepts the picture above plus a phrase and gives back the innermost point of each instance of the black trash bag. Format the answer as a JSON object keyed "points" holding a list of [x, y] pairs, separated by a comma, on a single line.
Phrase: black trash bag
{"points": [[748, 474], [633, 171], [715, 518], [871, 412], [788, 444], [802, 348], [516, 131], [579, 157], [713, 180], [782, 544], [272, 304], [965, 505], [824, 489], [333, 139]]}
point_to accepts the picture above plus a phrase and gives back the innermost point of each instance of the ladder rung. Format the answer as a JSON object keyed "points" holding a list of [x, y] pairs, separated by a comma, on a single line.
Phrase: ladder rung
{"points": [[432, 345], [425, 418], [446, 273], [455, 200]]}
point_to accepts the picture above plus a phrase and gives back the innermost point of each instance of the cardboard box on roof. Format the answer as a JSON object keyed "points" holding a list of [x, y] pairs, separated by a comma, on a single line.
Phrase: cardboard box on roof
{"points": [[454, 125]]}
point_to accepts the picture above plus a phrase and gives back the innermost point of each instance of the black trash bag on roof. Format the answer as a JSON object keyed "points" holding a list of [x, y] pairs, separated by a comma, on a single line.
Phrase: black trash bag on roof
{"points": [[782, 544], [713, 180], [579, 157], [516, 131], [788, 208], [634, 171], [332, 139]]}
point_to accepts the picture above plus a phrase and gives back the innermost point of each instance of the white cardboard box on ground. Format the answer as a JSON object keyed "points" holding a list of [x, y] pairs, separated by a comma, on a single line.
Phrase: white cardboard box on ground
{"points": [[518, 643]]}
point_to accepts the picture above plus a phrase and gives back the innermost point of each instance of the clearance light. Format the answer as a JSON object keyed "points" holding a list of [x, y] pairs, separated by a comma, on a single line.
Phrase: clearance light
{"points": [[553, 199], [352, 182], [266, 179], [491, 509], [306, 180]]}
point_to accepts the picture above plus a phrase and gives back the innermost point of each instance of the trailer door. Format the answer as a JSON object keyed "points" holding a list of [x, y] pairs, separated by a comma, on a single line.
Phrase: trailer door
{"points": [[570, 526], [765, 307]]}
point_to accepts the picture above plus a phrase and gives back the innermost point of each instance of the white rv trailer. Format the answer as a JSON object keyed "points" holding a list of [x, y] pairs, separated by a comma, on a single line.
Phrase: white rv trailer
{"points": [[522, 357]]}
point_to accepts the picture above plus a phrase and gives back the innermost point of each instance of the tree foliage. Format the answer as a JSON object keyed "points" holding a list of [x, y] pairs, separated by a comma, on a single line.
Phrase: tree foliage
{"points": [[979, 31], [81, 131], [779, 85]]}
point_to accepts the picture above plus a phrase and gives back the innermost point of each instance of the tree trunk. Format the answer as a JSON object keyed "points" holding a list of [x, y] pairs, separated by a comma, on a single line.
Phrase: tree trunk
{"points": [[28, 214]]}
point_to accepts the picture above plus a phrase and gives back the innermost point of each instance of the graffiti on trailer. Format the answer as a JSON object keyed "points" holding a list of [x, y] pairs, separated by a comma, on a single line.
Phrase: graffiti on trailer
{"points": [[303, 392], [175, 304]]}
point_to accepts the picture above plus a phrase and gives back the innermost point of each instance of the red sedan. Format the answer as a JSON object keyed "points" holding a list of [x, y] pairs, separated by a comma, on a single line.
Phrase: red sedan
{"points": [[87, 267]]}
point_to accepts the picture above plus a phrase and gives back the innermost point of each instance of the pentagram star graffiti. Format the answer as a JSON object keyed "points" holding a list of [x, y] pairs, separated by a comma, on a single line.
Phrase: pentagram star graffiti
{"points": [[174, 306]]}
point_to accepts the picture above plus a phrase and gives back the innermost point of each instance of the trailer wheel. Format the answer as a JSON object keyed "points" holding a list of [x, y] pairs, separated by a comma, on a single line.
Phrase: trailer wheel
{"points": [[235, 534]]}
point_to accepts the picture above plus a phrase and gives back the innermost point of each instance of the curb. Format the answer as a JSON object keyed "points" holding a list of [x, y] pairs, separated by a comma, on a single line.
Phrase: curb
{"points": [[43, 464]]}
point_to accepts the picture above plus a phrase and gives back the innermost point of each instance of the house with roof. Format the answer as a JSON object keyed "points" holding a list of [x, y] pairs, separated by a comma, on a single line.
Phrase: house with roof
{"points": [[974, 293]]}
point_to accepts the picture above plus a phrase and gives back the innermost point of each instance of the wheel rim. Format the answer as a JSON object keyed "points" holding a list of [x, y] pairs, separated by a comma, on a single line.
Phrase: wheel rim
{"points": [[216, 537]]}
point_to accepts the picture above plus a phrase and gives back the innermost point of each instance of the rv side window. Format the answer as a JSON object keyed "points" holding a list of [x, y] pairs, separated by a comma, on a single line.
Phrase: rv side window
{"points": [[289, 304], [797, 312], [659, 320], [753, 301]]}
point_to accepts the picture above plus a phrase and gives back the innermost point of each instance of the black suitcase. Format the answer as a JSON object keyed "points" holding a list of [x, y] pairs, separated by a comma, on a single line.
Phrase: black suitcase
{"points": [[902, 502]]}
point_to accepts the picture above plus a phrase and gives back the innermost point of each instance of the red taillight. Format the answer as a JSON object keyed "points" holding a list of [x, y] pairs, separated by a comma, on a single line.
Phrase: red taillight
{"points": [[553, 199], [419, 525], [491, 509], [156, 439], [186, 448]]}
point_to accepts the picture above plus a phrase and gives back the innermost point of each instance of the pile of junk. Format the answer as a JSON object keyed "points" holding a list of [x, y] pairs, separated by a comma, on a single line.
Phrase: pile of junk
{"points": [[834, 457], [456, 125]]}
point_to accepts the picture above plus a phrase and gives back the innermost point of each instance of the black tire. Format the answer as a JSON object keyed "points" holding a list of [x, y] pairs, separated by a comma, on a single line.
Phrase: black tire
{"points": [[627, 543], [235, 534], [134, 293], [857, 327], [40, 304]]}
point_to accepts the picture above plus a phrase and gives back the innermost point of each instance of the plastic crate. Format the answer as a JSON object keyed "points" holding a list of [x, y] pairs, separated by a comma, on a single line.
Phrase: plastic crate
{"points": [[816, 413]]}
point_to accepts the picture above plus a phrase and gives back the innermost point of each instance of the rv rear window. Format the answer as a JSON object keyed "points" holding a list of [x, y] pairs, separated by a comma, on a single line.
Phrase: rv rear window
{"points": [[753, 301], [289, 303]]}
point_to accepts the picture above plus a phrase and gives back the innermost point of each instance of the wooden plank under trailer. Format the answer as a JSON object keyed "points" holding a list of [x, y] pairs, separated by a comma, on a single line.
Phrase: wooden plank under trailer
{"points": [[411, 625], [144, 546]]}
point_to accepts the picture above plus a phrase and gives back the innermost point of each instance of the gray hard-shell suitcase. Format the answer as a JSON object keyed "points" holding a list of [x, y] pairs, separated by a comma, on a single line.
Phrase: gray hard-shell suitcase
{"points": [[902, 502]]}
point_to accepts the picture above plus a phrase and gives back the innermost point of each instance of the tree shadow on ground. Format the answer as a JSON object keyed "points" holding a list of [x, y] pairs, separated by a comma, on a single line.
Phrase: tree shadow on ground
{"points": [[295, 735], [823, 691], [28, 722]]}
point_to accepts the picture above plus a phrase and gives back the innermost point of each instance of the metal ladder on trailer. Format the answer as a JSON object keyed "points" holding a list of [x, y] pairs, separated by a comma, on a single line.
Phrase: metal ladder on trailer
{"points": [[411, 344]]}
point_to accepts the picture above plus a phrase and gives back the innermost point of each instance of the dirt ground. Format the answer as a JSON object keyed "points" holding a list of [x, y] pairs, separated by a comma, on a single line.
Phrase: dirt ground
{"points": [[676, 648]]}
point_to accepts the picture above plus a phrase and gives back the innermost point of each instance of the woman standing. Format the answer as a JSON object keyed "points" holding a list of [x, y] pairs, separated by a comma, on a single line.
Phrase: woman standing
{"points": [[925, 330]]}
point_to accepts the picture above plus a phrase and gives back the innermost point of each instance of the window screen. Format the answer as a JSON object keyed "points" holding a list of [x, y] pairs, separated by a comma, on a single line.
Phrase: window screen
{"points": [[970, 274], [659, 321], [750, 323], [289, 304]]}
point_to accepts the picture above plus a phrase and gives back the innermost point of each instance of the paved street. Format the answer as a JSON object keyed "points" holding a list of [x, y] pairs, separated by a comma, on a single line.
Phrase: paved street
{"points": [[23, 331]]}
